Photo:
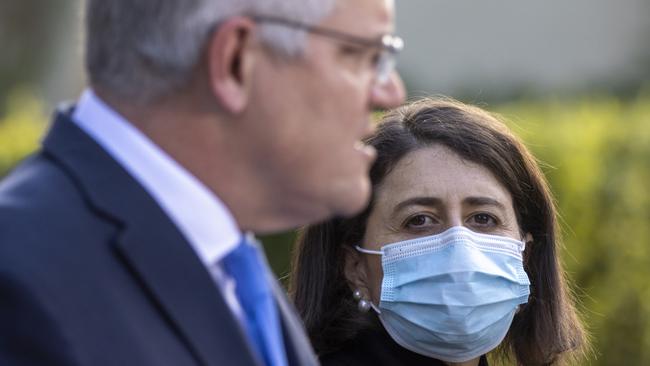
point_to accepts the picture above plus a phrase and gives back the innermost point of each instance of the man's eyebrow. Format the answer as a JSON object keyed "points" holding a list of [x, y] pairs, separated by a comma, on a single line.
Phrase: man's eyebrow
{"points": [[483, 201]]}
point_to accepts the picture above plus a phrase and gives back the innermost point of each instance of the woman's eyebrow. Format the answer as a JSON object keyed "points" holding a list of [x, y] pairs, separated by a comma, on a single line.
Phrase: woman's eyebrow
{"points": [[483, 201], [419, 201]]}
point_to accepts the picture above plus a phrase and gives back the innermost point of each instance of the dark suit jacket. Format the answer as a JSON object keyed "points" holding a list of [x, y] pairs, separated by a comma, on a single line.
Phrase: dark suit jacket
{"points": [[92, 272]]}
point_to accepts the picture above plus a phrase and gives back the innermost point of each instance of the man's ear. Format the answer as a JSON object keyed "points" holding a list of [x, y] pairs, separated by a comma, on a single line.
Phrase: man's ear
{"points": [[230, 58], [355, 271]]}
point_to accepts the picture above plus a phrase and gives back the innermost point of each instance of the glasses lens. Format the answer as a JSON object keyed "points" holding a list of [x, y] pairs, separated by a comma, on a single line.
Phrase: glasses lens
{"points": [[385, 66], [393, 43]]}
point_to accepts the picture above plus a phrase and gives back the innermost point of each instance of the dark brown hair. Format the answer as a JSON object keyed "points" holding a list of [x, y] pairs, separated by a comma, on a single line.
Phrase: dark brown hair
{"points": [[545, 331]]}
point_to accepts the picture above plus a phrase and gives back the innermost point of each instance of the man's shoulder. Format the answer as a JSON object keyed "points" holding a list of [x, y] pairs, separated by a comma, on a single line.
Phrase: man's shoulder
{"points": [[40, 208], [37, 184]]}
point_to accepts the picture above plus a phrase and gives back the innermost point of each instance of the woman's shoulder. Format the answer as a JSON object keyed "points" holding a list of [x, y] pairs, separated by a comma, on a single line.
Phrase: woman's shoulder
{"points": [[355, 351], [376, 348]]}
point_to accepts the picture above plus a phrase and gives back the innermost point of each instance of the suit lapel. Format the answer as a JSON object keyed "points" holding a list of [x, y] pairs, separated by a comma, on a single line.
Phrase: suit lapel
{"points": [[296, 343], [153, 248]]}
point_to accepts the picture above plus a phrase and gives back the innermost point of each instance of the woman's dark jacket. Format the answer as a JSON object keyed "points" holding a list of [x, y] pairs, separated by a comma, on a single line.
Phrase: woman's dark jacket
{"points": [[374, 347]]}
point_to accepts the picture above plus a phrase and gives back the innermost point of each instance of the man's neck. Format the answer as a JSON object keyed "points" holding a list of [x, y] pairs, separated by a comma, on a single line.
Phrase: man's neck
{"points": [[208, 144]]}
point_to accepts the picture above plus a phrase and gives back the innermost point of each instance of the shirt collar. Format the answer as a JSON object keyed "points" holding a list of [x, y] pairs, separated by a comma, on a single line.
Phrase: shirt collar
{"points": [[199, 214]]}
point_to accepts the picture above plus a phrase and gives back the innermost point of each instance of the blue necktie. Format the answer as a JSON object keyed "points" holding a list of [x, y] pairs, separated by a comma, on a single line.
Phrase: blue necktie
{"points": [[246, 267]]}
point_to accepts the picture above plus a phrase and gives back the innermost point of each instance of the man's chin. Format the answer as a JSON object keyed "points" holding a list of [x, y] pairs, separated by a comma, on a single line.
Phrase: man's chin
{"points": [[354, 202]]}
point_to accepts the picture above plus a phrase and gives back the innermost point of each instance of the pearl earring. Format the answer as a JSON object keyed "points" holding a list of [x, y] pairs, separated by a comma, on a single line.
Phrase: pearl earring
{"points": [[363, 305], [357, 295]]}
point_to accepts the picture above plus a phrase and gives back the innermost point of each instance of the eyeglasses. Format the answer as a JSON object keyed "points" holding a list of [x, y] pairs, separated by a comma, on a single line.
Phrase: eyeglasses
{"points": [[388, 44]]}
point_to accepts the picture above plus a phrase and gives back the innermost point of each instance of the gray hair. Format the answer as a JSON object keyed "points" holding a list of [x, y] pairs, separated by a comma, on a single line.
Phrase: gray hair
{"points": [[143, 49]]}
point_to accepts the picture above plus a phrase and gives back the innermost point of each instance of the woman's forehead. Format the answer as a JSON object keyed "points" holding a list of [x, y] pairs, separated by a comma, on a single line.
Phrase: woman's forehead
{"points": [[437, 171]]}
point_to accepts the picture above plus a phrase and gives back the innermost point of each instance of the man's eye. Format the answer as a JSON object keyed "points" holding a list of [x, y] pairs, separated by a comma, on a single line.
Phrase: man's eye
{"points": [[376, 58], [353, 50]]}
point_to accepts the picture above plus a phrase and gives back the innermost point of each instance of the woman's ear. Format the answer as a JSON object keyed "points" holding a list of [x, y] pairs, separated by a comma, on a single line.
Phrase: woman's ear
{"points": [[528, 238], [355, 271], [230, 56], [530, 241]]}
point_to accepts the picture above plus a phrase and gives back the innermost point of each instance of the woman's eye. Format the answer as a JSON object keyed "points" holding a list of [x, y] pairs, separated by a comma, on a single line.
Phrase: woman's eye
{"points": [[419, 221], [483, 219]]}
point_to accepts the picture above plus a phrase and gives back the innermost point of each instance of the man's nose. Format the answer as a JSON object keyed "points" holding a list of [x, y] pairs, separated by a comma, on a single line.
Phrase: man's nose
{"points": [[388, 94]]}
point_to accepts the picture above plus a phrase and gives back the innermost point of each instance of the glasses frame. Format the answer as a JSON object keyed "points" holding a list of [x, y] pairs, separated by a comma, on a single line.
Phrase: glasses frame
{"points": [[390, 45]]}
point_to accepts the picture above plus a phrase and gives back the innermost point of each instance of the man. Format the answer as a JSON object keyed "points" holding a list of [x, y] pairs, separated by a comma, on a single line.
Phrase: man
{"points": [[122, 240]]}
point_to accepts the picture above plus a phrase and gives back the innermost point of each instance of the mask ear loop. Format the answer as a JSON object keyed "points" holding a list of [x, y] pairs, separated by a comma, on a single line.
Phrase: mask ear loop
{"points": [[373, 252], [368, 251], [375, 308], [524, 242]]}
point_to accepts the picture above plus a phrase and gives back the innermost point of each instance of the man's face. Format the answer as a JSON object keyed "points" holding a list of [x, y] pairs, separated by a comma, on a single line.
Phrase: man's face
{"points": [[311, 113]]}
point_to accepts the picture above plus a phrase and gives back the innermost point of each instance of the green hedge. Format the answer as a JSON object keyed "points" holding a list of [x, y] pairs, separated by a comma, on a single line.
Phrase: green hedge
{"points": [[596, 154], [20, 129]]}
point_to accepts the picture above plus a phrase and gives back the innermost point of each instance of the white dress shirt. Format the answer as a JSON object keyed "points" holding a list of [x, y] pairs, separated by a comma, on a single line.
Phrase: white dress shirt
{"points": [[201, 217]]}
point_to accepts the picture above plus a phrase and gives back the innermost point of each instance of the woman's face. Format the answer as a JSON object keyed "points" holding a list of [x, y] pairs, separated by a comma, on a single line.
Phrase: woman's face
{"points": [[427, 192]]}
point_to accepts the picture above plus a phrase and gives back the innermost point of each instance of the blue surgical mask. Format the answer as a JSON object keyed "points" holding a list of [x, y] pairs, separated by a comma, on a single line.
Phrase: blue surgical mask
{"points": [[451, 296]]}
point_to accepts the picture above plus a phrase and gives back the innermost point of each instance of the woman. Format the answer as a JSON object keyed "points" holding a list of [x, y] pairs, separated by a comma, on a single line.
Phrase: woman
{"points": [[455, 256]]}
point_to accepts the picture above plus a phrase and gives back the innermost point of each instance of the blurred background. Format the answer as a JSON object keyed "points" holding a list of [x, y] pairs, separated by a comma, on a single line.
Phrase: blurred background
{"points": [[571, 77]]}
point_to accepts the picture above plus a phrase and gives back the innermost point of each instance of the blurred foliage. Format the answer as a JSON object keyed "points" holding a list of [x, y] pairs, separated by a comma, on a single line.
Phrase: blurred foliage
{"points": [[20, 128], [27, 36], [596, 154]]}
